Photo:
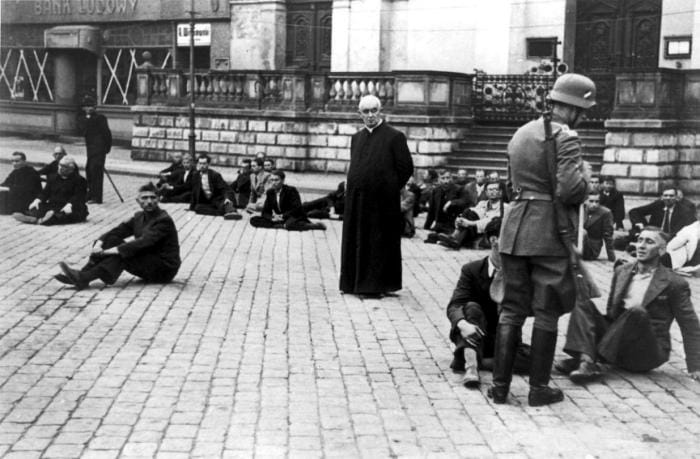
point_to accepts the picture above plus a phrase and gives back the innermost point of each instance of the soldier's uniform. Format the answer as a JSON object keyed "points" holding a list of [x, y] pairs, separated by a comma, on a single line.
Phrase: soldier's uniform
{"points": [[537, 276]]}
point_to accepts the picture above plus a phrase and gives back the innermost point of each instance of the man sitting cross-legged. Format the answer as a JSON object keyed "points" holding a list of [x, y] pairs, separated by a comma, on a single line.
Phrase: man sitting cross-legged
{"points": [[153, 254], [62, 200], [473, 313], [472, 222], [283, 207], [179, 187], [645, 298], [210, 193]]}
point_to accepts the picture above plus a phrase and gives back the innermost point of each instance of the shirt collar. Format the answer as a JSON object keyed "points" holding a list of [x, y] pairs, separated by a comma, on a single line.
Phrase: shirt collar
{"points": [[375, 127], [492, 268]]}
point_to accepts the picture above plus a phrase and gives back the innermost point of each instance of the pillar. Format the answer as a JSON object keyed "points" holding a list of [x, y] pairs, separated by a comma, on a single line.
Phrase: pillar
{"points": [[64, 82], [258, 34]]}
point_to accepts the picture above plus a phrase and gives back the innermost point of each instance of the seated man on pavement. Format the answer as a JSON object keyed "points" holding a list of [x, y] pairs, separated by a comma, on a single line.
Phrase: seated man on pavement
{"points": [[283, 208], [179, 187], [169, 174], [258, 186], [438, 206], [210, 193], [241, 185], [422, 190], [645, 298], [321, 207], [683, 251], [62, 201], [473, 313], [663, 213], [153, 253], [598, 229], [471, 224], [684, 202], [494, 176], [611, 198], [477, 187], [23, 184], [52, 168], [408, 225]]}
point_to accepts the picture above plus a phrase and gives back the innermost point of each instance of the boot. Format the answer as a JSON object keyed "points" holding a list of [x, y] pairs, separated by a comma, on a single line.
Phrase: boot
{"points": [[507, 339], [543, 344]]}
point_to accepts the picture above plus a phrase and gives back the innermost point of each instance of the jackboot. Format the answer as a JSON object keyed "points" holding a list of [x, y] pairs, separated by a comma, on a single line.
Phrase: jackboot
{"points": [[507, 339], [542, 352]]}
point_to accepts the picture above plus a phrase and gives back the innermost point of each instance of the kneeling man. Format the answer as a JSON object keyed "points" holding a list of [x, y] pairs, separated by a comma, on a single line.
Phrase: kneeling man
{"points": [[282, 208], [645, 298], [153, 254], [473, 313]]}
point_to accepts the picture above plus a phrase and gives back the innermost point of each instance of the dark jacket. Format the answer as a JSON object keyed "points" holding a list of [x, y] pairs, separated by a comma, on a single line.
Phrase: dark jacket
{"points": [[289, 204], [241, 187], [153, 234], [98, 137], [60, 191], [614, 201], [653, 214], [440, 195], [666, 299], [182, 184], [219, 189], [599, 229], [25, 185], [169, 174], [50, 169]]}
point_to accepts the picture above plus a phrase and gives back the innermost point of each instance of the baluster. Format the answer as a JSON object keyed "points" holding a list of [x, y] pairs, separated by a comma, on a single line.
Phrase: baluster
{"points": [[188, 85], [389, 92], [210, 87], [163, 85], [155, 86], [332, 93], [371, 88], [361, 90], [216, 87], [201, 87], [343, 87], [381, 91], [238, 89]]}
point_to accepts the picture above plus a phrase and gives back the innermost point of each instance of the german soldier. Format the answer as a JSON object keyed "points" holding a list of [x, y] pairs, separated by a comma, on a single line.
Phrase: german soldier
{"points": [[535, 256]]}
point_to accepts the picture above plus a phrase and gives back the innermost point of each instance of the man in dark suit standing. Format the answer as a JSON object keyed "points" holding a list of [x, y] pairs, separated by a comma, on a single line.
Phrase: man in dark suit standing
{"points": [[645, 298], [153, 254], [473, 314], [210, 193], [598, 227], [283, 208], [538, 279], [663, 213], [62, 201], [98, 141], [380, 165], [23, 183]]}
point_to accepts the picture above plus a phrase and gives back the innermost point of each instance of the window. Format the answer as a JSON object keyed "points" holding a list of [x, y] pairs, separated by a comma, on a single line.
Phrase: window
{"points": [[538, 48], [678, 47]]}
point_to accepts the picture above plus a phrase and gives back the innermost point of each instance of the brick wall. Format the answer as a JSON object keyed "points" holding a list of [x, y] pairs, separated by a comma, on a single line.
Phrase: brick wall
{"points": [[310, 143]]}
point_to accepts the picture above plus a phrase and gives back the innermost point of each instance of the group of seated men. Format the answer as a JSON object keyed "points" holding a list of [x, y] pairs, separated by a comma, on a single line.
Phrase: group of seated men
{"points": [[61, 200], [259, 187]]}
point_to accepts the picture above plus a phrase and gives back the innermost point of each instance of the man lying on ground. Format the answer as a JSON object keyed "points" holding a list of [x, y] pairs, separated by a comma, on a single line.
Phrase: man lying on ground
{"points": [[153, 254]]}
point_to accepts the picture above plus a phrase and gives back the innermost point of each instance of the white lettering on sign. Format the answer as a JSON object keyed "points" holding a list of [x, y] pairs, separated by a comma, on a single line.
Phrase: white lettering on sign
{"points": [[84, 7], [202, 34]]}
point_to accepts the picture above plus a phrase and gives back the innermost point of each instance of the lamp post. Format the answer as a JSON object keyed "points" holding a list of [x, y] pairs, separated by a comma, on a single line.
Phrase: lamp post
{"points": [[193, 82]]}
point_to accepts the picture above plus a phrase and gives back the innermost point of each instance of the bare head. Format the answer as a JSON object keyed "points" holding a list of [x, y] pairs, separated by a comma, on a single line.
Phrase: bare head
{"points": [[67, 166], [19, 159], [370, 109], [59, 152]]}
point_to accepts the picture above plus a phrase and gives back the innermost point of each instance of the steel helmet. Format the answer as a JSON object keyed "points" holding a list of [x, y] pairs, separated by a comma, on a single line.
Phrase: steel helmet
{"points": [[574, 89]]}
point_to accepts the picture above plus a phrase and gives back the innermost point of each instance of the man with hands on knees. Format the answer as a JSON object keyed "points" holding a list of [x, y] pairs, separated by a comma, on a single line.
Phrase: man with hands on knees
{"points": [[153, 254]]}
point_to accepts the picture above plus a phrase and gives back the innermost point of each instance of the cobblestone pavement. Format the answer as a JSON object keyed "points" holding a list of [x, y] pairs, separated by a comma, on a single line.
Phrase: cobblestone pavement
{"points": [[252, 351]]}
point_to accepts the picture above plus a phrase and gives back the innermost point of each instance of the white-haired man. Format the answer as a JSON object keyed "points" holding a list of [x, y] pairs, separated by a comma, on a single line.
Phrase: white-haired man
{"points": [[380, 165]]}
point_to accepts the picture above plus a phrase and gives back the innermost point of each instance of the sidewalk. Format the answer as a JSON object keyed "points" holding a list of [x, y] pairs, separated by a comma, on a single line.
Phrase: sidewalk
{"points": [[119, 161]]}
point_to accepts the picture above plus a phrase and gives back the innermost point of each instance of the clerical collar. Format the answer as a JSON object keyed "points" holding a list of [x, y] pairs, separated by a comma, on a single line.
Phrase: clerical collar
{"points": [[375, 126]]}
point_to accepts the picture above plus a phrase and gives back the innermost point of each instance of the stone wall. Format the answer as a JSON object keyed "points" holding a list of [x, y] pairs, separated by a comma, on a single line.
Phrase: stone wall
{"points": [[299, 142]]}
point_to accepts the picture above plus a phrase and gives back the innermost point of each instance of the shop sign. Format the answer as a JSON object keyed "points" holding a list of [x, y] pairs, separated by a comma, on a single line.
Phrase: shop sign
{"points": [[202, 34]]}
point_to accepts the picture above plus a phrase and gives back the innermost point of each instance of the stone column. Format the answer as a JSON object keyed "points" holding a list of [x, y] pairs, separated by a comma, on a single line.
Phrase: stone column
{"points": [[258, 34], [652, 138], [64, 78]]}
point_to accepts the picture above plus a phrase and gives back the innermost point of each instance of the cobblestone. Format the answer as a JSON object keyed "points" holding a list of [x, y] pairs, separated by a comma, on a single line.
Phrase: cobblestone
{"points": [[252, 350]]}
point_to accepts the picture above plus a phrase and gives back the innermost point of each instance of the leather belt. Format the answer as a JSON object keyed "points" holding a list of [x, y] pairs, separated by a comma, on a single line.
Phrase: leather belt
{"points": [[533, 196]]}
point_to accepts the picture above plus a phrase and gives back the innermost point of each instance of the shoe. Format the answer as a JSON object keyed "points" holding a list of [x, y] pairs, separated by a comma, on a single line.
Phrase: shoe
{"points": [[566, 366], [25, 218], [542, 353], [471, 379], [62, 278], [449, 241], [232, 216], [73, 276], [46, 218], [317, 226], [585, 373]]}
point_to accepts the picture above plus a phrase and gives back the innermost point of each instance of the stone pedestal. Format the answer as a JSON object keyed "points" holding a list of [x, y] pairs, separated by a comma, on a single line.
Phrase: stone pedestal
{"points": [[258, 34]]}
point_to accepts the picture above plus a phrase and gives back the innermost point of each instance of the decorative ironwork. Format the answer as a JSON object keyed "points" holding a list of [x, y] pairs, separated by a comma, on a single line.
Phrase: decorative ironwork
{"points": [[509, 97]]}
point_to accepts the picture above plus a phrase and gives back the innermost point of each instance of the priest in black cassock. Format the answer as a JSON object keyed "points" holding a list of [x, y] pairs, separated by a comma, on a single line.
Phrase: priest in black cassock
{"points": [[380, 165]]}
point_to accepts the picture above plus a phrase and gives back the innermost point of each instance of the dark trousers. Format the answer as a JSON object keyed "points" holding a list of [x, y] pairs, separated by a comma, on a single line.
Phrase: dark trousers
{"points": [[147, 266], [536, 286], [174, 196], [290, 224], [59, 218], [628, 342], [94, 173], [485, 347], [217, 207]]}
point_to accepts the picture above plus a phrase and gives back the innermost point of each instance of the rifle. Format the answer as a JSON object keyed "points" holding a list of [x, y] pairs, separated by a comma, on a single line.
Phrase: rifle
{"points": [[586, 287]]}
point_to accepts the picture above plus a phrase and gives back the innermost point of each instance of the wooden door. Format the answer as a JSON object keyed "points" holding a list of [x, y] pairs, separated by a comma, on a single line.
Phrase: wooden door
{"points": [[309, 35]]}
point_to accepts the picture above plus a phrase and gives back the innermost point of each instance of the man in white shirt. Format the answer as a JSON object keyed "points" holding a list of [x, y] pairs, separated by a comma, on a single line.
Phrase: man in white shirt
{"points": [[471, 224]]}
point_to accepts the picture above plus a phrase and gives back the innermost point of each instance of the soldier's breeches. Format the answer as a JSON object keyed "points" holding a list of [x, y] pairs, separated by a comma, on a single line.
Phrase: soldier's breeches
{"points": [[535, 286]]}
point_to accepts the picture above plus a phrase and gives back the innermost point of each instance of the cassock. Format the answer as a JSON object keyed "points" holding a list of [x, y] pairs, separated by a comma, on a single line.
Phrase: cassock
{"points": [[380, 165], [25, 185]]}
